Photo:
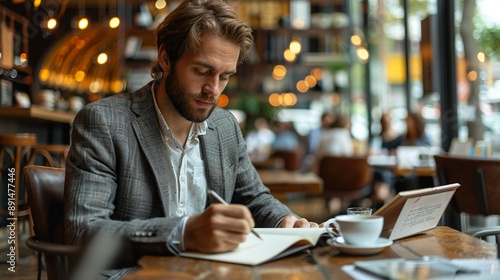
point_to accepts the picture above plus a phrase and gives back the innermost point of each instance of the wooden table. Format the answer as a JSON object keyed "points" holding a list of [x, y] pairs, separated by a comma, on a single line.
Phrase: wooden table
{"points": [[326, 262], [282, 182]]}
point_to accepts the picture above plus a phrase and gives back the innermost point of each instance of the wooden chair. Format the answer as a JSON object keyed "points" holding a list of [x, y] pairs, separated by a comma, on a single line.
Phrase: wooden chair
{"points": [[291, 159], [479, 193], [345, 177], [14, 150], [49, 155], [45, 187]]}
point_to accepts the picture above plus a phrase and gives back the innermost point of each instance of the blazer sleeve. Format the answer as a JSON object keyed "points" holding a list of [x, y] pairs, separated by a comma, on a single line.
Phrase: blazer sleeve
{"points": [[91, 186], [242, 184]]}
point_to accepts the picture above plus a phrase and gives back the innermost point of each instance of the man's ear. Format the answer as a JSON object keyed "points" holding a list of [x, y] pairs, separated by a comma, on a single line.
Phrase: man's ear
{"points": [[164, 60]]}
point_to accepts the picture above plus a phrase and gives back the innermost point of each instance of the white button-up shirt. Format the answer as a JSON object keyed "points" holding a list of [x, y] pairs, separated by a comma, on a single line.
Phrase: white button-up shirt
{"points": [[187, 183]]}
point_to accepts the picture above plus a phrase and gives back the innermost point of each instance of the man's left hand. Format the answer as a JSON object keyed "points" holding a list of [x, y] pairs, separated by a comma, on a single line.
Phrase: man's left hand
{"points": [[291, 221]]}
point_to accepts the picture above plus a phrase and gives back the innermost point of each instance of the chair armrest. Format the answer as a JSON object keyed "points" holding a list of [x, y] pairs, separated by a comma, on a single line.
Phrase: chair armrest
{"points": [[484, 232], [52, 248]]}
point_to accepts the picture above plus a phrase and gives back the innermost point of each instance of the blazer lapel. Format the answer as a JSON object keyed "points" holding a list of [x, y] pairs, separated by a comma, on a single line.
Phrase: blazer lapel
{"points": [[149, 138]]}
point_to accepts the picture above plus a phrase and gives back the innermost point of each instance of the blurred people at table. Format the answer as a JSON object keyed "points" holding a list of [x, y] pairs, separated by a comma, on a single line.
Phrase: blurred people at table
{"points": [[383, 178], [415, 131], [313, 139], [336, 140], [390, 138], [415, 136], [286, 137], [260, 139]]}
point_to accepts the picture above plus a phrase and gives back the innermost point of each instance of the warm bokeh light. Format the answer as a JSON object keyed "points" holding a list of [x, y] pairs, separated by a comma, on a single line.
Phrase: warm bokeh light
{"points": [[317, 73], [302, 86], [223, 101], [23, 57], [68, 80], [51, 23], [356, 40], [472, 76], [114, 22], [311, 81], [362, 53], [295, 46], [288, 99], [44, 75], [289, 55], [79, 76], [96, 85], [274, 99], [481, 56], [83, 23], [117, 86], [102, 58], [37, 3], [160, 4], [279, 72]]}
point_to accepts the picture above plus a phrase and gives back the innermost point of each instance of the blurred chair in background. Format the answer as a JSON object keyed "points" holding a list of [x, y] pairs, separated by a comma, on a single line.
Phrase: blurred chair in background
{"points": [[291, 159], [345, 179], [479, 193], [45, 187], [49, 155], [14, 152]]}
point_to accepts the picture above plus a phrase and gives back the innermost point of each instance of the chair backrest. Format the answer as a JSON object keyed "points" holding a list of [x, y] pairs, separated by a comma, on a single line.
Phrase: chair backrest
{"points": [[45, 189], [49, 155], [344, 176], [291, 159], [479, 192]]}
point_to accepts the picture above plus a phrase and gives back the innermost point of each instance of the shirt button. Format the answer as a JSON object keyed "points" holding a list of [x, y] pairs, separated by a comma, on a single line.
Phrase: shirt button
{"points": [[183, 178], [180, 212]]}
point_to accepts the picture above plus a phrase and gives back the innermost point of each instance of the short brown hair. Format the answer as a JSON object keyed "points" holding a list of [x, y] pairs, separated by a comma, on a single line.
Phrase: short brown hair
{"points": [[183, 28]]}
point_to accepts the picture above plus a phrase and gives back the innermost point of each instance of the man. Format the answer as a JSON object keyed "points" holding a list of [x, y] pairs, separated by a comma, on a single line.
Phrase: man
{"points": [[141, 163]]}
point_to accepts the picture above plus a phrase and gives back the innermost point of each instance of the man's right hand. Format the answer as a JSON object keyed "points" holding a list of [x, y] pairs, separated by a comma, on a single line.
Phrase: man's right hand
{"points": [[220, 228]]}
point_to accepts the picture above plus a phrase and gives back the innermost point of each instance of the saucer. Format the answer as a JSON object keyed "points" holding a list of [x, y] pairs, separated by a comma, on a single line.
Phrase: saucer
{"points": [[375, 248]]}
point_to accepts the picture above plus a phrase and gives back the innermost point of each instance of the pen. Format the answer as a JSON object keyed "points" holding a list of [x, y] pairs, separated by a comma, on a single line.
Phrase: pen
{"points": [[219, 199]]}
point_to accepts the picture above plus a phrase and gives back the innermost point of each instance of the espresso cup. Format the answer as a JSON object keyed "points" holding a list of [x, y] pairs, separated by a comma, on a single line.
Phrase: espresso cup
{"points": [[360, 230], [366, 211]]}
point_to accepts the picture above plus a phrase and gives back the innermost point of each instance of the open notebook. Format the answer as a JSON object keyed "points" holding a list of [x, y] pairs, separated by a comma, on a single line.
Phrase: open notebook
{"points": [[276, 243], [412, 212]]}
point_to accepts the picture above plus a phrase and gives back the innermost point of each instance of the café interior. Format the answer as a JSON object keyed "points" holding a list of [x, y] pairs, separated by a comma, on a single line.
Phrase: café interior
{"points": [[361, 67]]}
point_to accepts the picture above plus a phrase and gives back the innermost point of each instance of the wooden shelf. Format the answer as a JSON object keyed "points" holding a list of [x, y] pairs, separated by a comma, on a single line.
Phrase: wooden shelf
{"points": [[37, 113]]}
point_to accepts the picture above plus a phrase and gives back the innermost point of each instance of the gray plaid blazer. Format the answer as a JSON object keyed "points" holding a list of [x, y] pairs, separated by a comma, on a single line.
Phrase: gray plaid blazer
{"points": [[115, 173]]}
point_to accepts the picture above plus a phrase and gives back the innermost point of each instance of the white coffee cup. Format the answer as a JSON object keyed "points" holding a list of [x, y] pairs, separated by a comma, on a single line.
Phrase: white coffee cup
{"points": [[359, 230]]}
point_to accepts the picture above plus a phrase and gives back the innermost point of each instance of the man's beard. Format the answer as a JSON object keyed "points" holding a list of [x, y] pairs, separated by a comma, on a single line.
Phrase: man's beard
{"points": [[180, 99]]}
